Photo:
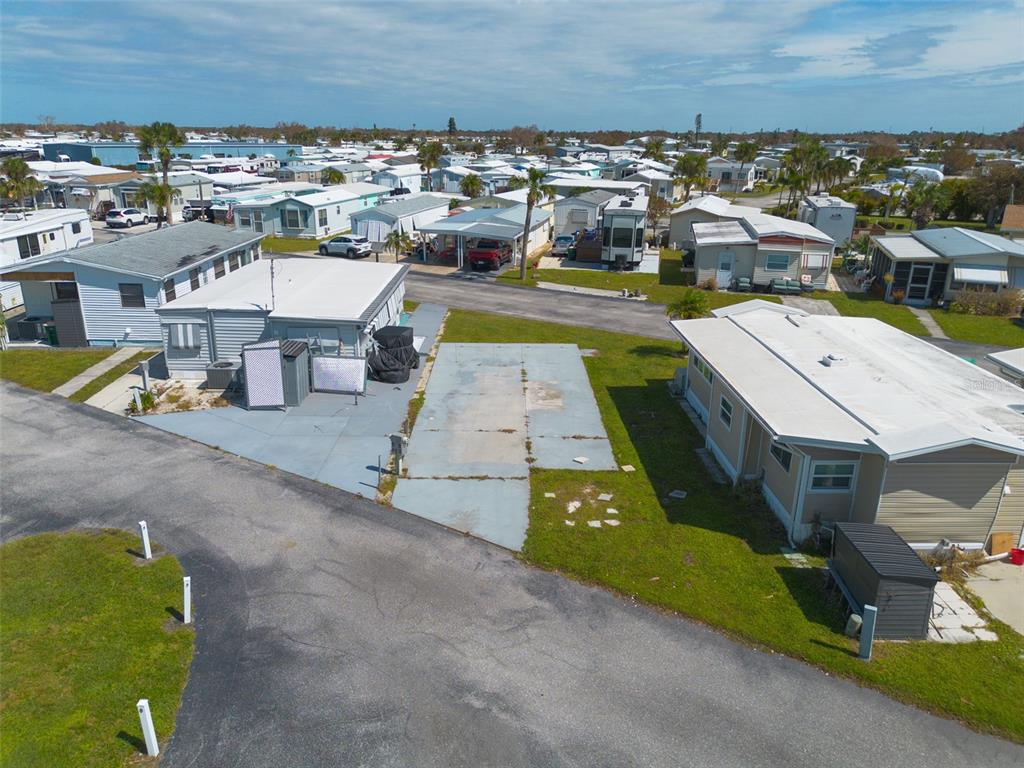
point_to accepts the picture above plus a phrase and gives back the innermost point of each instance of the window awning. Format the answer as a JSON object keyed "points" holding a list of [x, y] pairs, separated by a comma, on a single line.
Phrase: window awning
{"points": [[980, 273], [80, 192]]}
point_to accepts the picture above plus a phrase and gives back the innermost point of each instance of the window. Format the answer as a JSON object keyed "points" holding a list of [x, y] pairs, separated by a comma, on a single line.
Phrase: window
{"points": [[725, 413], [218, 268], [337, 209], [290, 219], [776, 262], [193, 278], [622, 238], [65, 291], [703, 368], [183, 336], [244, 219], [607, 239], [726, 175], [53, 236], [233, 261], [131, 295], [76, 227], [833, 477], [28, 245], [169, 294], [639, 238], [257, 220], [784, 457], [321, 217]]}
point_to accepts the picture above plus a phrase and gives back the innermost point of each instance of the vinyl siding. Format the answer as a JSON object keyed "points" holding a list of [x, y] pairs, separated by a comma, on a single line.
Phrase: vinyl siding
{"points": [[727, 439], [699, 386], [763, 276], [706, 261], [106, 321], [233, 329], [754, 449], [782, 484], [1011, 511], [184, 362], [927, 502], [832, 505], [869, 487]]}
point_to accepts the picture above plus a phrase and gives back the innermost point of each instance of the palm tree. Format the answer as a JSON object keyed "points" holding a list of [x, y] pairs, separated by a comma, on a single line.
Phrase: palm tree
{"points": [[920, 202], [746, 152], [893, 199], [691, 304], [536, 189], [655, 149], [291, 153], [157, 139], [333, 176], [517, 182], [397, 242], [18, 181], [691, 169], [160, 195], [471, 185], [429, 156], [837, 169]]}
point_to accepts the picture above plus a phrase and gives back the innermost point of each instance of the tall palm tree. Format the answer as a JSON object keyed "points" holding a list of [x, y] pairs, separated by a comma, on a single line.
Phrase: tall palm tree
{"points": [[429, 156], [655, 149], [471, 185], [397, 242], [158, 194], [18, 181], [536, 189], [691, 170], [746, 152], [157, 139], [333, 176]]}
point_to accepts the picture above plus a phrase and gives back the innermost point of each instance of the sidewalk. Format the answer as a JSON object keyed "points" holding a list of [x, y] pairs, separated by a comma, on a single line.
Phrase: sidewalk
{"points": [[71, 386], [115, 397], [929, 322]]}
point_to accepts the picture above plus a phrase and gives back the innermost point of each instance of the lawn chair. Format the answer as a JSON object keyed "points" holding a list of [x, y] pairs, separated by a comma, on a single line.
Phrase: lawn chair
{"points": [[742, 285]]}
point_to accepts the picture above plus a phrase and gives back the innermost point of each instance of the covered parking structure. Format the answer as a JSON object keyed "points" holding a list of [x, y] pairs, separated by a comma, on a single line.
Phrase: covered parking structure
{"points": [[505, 224]]}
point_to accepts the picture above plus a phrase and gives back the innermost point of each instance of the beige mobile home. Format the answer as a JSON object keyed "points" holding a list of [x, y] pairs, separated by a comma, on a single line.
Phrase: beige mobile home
{"points": [[841, 418]]}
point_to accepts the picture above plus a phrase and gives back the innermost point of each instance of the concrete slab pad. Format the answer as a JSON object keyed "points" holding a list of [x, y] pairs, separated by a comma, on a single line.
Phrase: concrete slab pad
{"points": [[263, 421], [493, 510], [294, 424], [469, 413], [560, 452], [352, 464], [1000, 586], [467, 454], [206, 427], [300, 454]]}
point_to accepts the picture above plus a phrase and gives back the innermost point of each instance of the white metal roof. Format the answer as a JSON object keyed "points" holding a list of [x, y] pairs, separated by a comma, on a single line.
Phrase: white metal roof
{"points": [[722, 232], [905, 248], [307, 289], [1010, 361], [765, 225], [756, 305], [13, 225], [889, 391]]}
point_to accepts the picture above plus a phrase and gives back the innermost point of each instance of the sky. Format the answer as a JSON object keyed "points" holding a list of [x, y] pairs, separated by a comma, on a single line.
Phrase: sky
{"points": [[815, 65]]}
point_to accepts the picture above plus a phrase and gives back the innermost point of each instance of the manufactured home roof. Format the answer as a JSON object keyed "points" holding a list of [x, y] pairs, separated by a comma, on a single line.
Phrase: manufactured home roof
{"points": [[956, 242], [497, 223], [889, 392], [718, 206], [12, 225], [1010, 361], [154, 254], [722, 233], [303, 289], [594, 197], [905, 248], [405, 205]]}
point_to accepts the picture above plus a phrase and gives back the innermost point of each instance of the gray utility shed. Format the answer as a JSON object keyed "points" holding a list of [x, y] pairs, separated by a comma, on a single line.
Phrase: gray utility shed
{"points": [[295, 360], [874, 566]]}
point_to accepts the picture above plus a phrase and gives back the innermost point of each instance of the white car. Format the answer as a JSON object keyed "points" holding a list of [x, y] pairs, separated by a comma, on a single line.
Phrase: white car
{"points": [[126, 217], [346, 245], [562, 245]]}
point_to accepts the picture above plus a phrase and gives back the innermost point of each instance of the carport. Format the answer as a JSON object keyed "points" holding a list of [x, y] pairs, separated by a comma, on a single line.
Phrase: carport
{"points": [[505, 224]]}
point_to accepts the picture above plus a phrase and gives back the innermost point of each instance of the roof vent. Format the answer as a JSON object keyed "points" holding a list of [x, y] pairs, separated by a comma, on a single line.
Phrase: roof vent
{"points": [[794, 319], [833, 359], [626, 204]]}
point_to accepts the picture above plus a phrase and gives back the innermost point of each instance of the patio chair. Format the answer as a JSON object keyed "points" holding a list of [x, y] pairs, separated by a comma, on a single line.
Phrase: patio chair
{"points": [[742, 285]]}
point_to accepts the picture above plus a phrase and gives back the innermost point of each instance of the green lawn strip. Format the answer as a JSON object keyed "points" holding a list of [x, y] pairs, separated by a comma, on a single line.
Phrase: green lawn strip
{"points": [[47, 369], [287, 244], [715, 555], [409, 306], [664, 288], [111, 376], [84, 633], [859, 304], [1002, 331]]}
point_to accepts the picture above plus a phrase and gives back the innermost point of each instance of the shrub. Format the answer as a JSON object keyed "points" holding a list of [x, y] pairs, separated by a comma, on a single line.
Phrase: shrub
{"points": [[711, 284], [898, 295], [147, 399], [995, 304], [689, 305]]}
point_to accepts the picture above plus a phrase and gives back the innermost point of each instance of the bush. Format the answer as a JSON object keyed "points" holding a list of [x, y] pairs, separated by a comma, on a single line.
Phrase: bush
{"points": [[898, 295], [993, 304], [148, 402], [711, 284], [689, 305]]}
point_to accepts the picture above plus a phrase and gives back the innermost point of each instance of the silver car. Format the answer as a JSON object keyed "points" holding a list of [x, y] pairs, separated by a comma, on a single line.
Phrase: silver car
{"points": [[351, 246], [126, 217]]}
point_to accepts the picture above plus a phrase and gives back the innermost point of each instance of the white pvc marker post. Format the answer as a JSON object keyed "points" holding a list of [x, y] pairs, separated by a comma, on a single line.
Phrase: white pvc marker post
{"points": [[186, 613], [146, 549], [867, 631], [148, 731]]}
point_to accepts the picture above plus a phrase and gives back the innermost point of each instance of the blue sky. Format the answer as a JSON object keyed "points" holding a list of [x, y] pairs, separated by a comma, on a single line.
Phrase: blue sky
{"points": [[817, 65]]}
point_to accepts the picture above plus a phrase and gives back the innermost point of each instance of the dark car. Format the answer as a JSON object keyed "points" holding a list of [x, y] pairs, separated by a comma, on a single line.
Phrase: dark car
{"points": [[489, 255]]}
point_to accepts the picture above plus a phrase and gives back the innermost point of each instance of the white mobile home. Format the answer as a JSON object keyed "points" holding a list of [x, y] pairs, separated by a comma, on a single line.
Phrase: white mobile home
{"points": [[313, 215], [333, 305], [38, 233], [580, 212], [407, 213], [832, 215], [409, 176]]}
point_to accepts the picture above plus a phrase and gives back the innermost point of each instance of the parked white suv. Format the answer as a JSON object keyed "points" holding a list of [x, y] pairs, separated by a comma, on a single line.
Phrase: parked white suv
{"points": [[126, 217], [346, 245]]}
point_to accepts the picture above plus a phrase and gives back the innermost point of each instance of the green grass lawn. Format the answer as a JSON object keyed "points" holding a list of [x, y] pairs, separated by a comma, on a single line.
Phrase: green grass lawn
{"points": [[47, 369], [111, 376], [289, 244], [663, 288], [84, 634], [715, 555], [1002, 331], [859, 304]]}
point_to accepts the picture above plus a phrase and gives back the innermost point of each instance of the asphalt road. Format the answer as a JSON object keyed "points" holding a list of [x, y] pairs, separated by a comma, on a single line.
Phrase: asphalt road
{"points": [[332, 631]]}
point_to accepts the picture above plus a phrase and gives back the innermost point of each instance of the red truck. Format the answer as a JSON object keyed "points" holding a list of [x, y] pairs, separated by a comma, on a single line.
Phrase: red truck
{"points": [[489, 254]]}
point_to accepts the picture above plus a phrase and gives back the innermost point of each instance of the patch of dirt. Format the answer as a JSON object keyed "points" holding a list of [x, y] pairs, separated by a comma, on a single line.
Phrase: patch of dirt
{"points": [[178, 395]]}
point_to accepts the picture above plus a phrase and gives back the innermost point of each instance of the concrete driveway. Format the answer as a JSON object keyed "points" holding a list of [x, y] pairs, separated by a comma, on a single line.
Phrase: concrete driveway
{"points": [[332, 631]]}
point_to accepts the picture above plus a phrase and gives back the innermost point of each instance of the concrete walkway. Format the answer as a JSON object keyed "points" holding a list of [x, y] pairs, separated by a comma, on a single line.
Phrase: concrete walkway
{"points": [[929, 322], [114, 397], [69, 388]]}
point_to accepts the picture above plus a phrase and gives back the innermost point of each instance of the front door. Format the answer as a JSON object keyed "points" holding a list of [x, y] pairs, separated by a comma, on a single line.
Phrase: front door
{"points": [[726, 259], [67, 316], [920, 279]]}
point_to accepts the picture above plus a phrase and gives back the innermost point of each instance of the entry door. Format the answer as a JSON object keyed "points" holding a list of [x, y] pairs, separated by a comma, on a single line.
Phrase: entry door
{"points": [[67, 316], [726, 259], [920, 279]]}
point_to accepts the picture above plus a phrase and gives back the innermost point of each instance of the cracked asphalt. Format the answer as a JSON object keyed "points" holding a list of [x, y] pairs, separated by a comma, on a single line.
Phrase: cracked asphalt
{"points": [[332, 631]]}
